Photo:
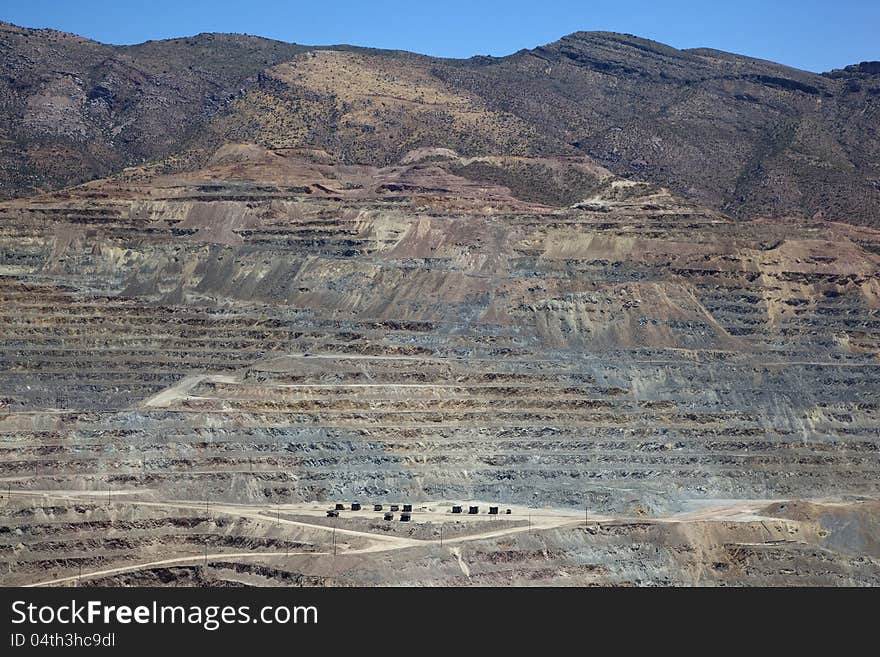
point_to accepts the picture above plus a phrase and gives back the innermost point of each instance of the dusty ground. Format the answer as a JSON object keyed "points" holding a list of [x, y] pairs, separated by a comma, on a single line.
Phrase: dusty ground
{"points": [[756, 542]]}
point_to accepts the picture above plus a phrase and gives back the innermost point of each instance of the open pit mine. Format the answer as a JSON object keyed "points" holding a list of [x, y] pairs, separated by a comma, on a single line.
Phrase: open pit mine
{"points": [[204, 374]]}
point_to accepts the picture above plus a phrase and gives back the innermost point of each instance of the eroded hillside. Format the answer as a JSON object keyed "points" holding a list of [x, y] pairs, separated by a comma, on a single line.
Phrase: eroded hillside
{"points": [[656, 336], [741, 135], [281, 330], [195, 366]]}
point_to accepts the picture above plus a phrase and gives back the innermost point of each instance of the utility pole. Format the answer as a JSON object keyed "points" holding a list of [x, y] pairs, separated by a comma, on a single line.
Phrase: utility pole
{"points": [[441, 535], [334, 537], [530, 523]]}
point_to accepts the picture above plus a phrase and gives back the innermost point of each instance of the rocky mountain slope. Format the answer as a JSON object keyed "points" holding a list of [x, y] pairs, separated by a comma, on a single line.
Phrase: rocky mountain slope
{"points": [[737, 134], [192, 361], [291, 277], [75, 110], [456, 339]]}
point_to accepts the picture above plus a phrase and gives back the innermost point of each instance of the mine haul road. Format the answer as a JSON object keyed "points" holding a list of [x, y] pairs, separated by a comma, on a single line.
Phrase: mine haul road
{"points": [[724, 510]]}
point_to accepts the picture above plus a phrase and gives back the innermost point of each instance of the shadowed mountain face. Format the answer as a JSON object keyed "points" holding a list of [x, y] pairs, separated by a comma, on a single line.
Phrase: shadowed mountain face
{"points": [[740, 135], [75, 110]]}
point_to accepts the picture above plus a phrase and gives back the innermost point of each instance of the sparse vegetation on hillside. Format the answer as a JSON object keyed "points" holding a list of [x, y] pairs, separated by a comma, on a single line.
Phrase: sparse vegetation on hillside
{"points": [[739, 134]]}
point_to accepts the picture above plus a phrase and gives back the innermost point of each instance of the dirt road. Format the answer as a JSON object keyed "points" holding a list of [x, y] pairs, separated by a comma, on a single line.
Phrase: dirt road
{"points": [[538, 520], [163, 562]]}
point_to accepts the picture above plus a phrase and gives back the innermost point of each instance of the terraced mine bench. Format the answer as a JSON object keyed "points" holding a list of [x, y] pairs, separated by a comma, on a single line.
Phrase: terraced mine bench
{"points": [[420, 335]]}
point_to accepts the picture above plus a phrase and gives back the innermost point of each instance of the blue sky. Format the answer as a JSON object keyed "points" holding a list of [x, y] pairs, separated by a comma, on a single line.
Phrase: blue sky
{"points": [[808, 34]]}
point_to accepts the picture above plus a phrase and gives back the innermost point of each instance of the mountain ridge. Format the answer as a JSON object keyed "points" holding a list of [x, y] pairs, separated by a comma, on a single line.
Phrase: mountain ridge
{"points": [[741, 135]]}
